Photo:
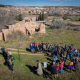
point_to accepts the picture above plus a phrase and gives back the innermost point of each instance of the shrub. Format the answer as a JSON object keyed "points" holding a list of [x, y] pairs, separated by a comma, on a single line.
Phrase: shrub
{"points": [[58, 24], [64, 17], [53, 19], [76, 18], [19, 17], [15, 35], [55, 13]]}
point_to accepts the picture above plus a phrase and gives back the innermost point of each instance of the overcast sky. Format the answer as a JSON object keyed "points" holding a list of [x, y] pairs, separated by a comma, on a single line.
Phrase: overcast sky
{"points": [[41, 2]]}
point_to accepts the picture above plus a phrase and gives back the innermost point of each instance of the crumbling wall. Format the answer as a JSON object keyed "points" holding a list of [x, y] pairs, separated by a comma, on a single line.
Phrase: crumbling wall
{"points": [[1, 38], [26, 27], [42, 28], [5, 33]]}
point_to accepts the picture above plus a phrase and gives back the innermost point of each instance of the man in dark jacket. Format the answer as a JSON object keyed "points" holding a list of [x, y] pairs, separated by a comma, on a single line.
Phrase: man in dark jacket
{"points": [[62, 52], [11, 64], [40, 47], [53, 70]]}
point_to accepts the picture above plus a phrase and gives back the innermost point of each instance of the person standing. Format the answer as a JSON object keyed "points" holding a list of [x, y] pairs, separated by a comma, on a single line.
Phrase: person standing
{"points": [[10, 53], [71, 54], [70, 66], [53, 70], [57, 67], [62, 52], [44, 47], [11, 64], [37, 44], [40, 46], [68, 52], [31, 47], [36, 48], [47, 47], [75, 64], [39, 68], [76, 51], [78, 55], [2, 49], [62, 65]]}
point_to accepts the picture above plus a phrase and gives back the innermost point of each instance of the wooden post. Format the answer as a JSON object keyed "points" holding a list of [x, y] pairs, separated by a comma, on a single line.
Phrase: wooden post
{"points": [[19, 55]]}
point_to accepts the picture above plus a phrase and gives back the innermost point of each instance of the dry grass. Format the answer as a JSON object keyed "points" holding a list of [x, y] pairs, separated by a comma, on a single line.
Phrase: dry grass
{"points": [[54, 36], [23, 72]]}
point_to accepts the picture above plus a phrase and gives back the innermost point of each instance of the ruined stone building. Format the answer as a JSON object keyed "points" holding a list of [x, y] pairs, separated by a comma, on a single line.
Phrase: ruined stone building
{"points": [[28, 26]]}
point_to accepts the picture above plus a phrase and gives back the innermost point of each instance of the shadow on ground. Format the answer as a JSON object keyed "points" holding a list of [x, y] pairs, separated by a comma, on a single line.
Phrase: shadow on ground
{"points": [[32, 69]]}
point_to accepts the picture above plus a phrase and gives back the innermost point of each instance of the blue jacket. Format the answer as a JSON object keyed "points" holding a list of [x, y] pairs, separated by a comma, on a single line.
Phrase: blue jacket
{"points": [[71, 53], [31, 46], [40, 46], [2, 50], [36, 48]]}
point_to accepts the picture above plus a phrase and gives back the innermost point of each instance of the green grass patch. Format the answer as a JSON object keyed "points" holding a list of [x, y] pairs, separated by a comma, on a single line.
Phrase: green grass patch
{"points": [[1, 41], [48, 28]]}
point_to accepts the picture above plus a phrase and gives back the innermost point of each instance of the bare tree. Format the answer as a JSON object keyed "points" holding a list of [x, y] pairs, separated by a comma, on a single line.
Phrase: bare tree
{"points": [[53, 13], [7, 17], [58, 24]]}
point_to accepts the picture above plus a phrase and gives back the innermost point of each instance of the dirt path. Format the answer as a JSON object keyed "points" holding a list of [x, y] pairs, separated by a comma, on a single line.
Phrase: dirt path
{"points": [[22, 53], [14, 49], [27, 53], [74, 22]]}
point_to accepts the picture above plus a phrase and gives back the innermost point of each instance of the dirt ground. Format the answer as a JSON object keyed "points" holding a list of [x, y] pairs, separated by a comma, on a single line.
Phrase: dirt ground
{"points": [[74, 22]]}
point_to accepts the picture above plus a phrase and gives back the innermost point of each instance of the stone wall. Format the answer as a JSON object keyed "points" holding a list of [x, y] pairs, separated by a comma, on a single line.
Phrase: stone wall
{"points": [[1, 38], [5, 33], [27, 27]]}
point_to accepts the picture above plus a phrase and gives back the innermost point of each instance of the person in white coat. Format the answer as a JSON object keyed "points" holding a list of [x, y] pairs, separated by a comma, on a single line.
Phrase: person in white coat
{"points": [[39, 68]]}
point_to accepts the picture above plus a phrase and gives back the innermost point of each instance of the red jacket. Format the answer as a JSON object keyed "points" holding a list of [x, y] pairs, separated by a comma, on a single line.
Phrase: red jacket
{"points": [[57, 66], [37, 44]]}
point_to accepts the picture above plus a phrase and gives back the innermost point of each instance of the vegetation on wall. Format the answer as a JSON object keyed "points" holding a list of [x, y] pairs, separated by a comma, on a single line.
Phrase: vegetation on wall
{"points": [[19, 17], [15, 35]]}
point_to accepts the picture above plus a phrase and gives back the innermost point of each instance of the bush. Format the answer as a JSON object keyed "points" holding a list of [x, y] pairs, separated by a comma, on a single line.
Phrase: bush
{"points": [[76, 18], [55, 13], [64, 17], [53, 19], [19, 17], [15, 35], [58, 24]]}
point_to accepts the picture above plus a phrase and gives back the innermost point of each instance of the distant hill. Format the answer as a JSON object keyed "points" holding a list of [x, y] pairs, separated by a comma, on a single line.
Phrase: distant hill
{"points": [[1, 5]]}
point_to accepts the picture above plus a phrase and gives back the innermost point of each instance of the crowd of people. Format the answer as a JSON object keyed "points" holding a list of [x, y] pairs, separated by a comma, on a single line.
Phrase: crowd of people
{"points": [[59, 55], [8, 58]]}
